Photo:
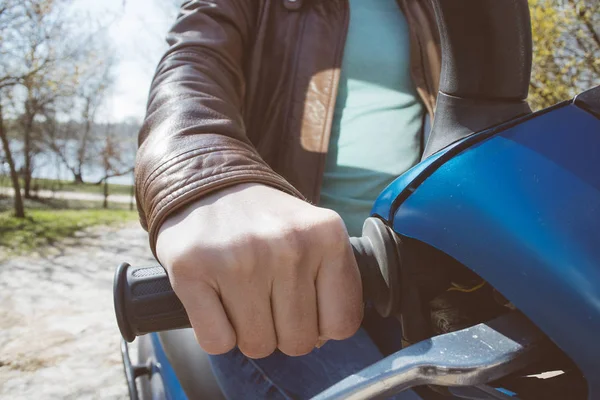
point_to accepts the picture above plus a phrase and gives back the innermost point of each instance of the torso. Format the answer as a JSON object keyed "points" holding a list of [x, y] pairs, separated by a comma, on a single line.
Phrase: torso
{"points": [[292, 77], [377, 125]]}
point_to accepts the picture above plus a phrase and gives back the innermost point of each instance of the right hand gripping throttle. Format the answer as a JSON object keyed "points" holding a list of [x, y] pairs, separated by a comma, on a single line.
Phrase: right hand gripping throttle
{"points": [[145, 301]]}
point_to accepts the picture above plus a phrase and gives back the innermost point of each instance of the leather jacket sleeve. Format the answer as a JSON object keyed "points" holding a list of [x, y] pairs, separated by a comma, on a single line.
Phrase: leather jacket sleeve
{"points": [[193, 140]]}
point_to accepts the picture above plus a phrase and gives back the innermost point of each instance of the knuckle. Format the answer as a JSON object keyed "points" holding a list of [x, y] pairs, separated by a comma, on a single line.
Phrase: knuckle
{"points": [[294, 246], [186, 275], [285, 246], [180, 271], [290, 236], [333, 229], [257, 349], [246, 247], [298, 347], [289, 269], [332, 219], [240, 266], [345, 328], [248, 244], [217, 346], [346, 322]]}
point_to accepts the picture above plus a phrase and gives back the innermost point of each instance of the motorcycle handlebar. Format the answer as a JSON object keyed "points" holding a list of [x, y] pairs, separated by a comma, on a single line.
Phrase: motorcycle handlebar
{"points": [[145, 301]]}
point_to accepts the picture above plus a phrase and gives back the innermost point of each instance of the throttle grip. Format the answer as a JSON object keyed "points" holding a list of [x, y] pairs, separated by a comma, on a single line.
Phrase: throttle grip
{"points": [[145, 301]]}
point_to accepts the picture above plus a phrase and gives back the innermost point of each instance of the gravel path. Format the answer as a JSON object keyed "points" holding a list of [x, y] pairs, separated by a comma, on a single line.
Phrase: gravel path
{"points": [[47, 194], [58, 335]]}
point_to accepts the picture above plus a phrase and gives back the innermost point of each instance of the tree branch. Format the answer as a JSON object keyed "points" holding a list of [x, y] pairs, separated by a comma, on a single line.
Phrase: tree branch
{"points": [[113, 175]]}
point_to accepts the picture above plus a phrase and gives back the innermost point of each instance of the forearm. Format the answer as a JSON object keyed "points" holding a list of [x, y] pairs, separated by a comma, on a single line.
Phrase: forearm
{"points": [[193, 140]]}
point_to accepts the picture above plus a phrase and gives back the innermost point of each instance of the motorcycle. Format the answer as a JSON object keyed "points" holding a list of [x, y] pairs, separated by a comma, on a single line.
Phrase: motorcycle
{"points": [[488, 250]]}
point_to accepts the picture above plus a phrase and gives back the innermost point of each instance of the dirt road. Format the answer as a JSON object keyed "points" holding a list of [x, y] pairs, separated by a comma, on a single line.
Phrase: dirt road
{"points": [[47, 194], [58, 335]]}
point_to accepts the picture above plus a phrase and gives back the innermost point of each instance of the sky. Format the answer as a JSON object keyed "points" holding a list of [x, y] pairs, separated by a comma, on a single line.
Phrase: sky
{"points": [[136, 29]]}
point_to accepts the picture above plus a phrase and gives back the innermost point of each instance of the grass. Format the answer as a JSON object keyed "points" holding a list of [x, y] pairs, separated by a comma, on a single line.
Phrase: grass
{"points": [[47, 222], [70, 186]]}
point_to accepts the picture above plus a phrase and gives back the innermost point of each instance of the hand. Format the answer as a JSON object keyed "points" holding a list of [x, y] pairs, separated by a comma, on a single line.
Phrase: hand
{"points": [[260, 269]]}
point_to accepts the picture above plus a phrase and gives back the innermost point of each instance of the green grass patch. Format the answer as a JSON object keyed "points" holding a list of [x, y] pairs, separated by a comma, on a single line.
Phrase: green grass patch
{"points": [[70, 186], [46, 226]]}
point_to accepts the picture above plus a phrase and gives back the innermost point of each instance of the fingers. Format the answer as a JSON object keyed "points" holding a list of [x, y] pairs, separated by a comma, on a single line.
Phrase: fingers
{"points": [[212, 328], [339, 295], [249, 310], [295, 314], [269, 272]]}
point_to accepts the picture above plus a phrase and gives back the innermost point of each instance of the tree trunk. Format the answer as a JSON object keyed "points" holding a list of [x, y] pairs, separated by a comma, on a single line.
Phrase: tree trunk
{"points": [[27, 162], [105, 202], [27, 150], [132, 198], [77, 178], [19, 210]]}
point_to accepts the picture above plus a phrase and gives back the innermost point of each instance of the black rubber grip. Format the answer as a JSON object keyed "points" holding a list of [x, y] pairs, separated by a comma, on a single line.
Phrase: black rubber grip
{"points": [[145, 301]]}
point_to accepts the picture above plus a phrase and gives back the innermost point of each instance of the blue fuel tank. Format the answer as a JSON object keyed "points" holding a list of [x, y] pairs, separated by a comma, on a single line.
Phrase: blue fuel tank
{"points": [[519, 204]]}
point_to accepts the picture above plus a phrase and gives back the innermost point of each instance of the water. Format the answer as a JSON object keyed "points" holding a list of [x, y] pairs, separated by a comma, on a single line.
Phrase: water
{"points": [[48, 165]]}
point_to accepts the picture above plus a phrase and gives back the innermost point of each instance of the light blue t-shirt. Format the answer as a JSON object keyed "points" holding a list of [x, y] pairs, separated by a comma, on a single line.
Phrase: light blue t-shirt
{"points": [[377, 125]]}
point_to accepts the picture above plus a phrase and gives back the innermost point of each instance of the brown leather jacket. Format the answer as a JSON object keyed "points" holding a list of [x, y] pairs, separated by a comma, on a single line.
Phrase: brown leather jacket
{"points": [[246, 93]]}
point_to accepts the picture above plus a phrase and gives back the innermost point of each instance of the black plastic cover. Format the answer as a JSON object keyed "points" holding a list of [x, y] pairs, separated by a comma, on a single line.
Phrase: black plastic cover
{"points": [[486, 48], [589, 101], [486, 67]]}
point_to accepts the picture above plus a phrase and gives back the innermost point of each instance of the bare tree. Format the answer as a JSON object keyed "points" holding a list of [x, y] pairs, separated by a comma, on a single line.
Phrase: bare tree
{"points": [[114, 160], [27, 28], [46, 58], [77, 143], [18, 201], [43, 90], [8, 78]]}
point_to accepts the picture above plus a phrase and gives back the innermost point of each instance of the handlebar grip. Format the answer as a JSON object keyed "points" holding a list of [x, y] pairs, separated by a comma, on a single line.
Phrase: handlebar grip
{"points": [[145, 301]]}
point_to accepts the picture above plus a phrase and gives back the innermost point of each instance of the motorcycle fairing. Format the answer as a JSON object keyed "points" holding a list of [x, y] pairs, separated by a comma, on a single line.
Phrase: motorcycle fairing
{"points": [[520, 206], [172, 386]]}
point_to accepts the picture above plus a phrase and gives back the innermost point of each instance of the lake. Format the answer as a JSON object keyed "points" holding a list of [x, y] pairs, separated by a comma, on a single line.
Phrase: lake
{"points": [[48, 165]]}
